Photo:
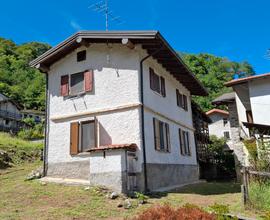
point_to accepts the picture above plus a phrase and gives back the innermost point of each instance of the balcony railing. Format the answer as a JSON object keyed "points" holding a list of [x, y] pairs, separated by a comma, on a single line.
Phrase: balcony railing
{"points": [[10, 115]]}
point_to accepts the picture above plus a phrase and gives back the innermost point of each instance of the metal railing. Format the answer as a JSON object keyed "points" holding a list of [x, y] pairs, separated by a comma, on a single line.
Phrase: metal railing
{"points": [[10, 115]]}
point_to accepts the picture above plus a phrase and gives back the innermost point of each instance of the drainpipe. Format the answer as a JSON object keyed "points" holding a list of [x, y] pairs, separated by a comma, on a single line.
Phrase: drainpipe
{"points": [[142, 113], [45, 127]]}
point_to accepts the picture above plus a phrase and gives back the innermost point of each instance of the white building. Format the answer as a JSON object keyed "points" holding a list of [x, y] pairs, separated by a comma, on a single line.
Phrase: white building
{"points": [[220, 125], [119, 111], [10, 117], [252, 95]]}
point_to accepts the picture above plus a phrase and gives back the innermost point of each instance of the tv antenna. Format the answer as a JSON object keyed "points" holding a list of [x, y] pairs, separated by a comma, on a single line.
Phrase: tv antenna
{"points": [[103, 8]]}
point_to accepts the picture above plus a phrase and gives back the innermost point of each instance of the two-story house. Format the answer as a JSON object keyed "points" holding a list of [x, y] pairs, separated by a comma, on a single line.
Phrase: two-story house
{"points": [[119, 111], [220, 125], [10, 117]]}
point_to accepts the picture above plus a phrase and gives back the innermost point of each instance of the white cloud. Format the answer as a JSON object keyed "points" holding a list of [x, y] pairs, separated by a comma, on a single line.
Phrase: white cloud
{"points": [[75, 25]]}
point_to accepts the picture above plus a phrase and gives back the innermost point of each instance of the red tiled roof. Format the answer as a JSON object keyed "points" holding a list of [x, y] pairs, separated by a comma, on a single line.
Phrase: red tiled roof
{"points": [[131, 147], [246, 79], [215, 110]]}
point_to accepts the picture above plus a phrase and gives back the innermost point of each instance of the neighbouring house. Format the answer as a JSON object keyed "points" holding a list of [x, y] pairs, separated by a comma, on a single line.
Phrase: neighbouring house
{"points": [[38, 116], [252, 96], [119, 111], [10, 117], [220, 125]]}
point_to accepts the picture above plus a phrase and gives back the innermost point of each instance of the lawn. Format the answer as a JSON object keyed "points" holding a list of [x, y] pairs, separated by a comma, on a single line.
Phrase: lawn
{"points": [[22, 199]]}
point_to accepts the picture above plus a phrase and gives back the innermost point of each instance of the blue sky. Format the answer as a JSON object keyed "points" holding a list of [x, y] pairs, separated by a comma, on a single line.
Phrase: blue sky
{"points": [[236, 29]]}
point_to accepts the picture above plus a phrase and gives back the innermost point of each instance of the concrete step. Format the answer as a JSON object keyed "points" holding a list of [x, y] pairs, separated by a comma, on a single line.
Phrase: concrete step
{"points": [[65, 181]]}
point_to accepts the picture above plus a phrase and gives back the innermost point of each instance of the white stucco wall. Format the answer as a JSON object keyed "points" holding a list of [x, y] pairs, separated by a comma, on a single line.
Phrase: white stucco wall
{"points": [[115, 84], [114, 161], [259, 91], [217, 126], [241, 108], [169, 112]]}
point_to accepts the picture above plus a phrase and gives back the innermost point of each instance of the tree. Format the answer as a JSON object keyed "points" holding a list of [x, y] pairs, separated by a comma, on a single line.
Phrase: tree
{"points": [[213, 72], [18, 80]]}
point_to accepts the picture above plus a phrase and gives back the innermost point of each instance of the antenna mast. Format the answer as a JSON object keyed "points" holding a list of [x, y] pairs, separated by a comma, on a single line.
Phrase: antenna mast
{"points": [[103, 7]]}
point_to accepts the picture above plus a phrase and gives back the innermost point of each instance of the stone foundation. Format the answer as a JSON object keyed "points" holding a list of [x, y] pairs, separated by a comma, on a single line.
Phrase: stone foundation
{"points": [[116, 181], [168, 176], [72, 170]]}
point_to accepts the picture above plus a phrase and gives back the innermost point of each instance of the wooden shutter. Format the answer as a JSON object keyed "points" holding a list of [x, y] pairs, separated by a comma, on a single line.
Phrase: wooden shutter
{"points": [[64, 85], [162, 86], [156, 133], [177, 98], [151, 76], [74, 138], [88, 80], [168, 137], [188, 147], [180, 141], [185, 105]]}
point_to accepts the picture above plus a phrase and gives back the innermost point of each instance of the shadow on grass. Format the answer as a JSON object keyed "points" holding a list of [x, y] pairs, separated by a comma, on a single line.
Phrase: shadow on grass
{"points": [[207, 188]]}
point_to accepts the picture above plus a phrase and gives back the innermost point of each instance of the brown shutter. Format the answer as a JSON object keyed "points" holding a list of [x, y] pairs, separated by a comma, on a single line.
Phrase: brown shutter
{"points": [[64, 85], [188, 147], [156, 133], [162, 86], [180, 141], [168, 137], [185, 106], [74, 138], [88, 80], [151, 76], [177, 97]]}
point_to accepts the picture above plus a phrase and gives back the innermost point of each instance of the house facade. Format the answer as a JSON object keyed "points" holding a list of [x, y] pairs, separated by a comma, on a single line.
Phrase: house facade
{"points": [[119, 111], [253, 104], [220, 125], [10, 117]]}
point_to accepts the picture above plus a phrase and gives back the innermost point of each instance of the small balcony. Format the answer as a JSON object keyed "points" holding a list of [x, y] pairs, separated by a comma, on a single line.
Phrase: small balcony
{"points": [[10, 115]]}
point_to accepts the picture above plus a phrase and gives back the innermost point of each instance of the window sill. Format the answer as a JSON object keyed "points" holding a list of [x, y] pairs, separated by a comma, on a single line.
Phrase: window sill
{"points": [[155, 92], [163, 151], [82, 154], [75, 95]]}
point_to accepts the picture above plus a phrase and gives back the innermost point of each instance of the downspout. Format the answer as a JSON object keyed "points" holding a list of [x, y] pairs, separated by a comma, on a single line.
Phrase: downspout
{"points": [[142, 113], [45, 129]]}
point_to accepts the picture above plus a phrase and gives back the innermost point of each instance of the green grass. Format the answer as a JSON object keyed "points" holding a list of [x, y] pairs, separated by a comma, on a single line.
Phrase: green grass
{"points": [[19, 150], [259, 195]]}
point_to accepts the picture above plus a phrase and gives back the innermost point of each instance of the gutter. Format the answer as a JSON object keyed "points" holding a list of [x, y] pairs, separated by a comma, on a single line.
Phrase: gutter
{"points": [[142, 113], [45, 165]]}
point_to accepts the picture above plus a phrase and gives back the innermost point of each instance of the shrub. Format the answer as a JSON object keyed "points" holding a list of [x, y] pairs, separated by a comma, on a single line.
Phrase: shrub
{"points": [[141, 197], [35, 132], [168, 213]]}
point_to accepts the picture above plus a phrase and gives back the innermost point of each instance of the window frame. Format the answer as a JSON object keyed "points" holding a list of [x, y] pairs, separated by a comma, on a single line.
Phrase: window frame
{"points": [[229, 136], [162, 140], [70, 88], [158, 86], [92, 121], [181, 100], [184, 142]]}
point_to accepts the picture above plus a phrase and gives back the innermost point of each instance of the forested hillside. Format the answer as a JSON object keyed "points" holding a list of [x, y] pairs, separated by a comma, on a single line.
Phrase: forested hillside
{"points": [[26, 85], [18, 81], [213, 72]]}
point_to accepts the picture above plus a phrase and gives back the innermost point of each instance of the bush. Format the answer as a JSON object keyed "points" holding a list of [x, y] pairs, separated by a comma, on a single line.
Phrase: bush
{"points": [[32, 133], [168, 213]]}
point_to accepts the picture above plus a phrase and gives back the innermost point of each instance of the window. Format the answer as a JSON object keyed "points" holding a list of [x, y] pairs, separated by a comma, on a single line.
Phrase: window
{"points": [[79, 82], [76, 83], [225, 121], [157, 83], [7, 122], [82, 136], [226, 135], [81, 56], [181, 100], [184, 142], [161, 135], [87, 135]]}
